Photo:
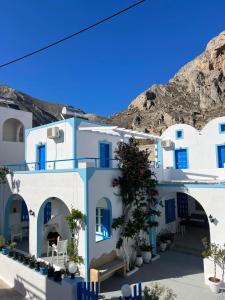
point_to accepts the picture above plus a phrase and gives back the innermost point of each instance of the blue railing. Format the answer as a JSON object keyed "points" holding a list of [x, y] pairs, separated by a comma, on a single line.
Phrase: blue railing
{"points": [[69, 163]]}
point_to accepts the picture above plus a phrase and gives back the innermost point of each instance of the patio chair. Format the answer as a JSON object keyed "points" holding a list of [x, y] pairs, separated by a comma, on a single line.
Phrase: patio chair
{"points": [[16, 232], [60, 249]]}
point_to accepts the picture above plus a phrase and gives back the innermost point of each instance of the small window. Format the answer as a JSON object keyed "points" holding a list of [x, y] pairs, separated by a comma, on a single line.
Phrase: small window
{"points": [[222, 128], [179, 134], [47, 212], [170, 213], [24, 212]]}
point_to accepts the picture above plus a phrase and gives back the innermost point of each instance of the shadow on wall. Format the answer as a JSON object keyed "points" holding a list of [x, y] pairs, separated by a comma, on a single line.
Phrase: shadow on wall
{"points": [[170, 265]]}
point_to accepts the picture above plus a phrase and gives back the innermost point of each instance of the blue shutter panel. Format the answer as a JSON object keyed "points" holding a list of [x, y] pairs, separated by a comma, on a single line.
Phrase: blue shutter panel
{"points": [[104, 155], [47, 212], [24, 212], [221, 156], [170, 212], [181, 159], [106, 223], [41, 157]]}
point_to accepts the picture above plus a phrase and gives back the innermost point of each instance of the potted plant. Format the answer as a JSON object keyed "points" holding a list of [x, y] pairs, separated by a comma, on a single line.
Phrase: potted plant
{"points": [[5, 250], [51, 270], [25, 260], [146, 252], [2, 241], [212, 252], [37, 265], [20, 257], [57, 276], [43, 268], [11, 249], [15, 255], [32, 262]]}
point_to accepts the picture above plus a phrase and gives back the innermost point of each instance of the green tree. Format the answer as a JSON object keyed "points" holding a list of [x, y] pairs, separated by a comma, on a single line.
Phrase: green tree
{"points": [[137, 190]]}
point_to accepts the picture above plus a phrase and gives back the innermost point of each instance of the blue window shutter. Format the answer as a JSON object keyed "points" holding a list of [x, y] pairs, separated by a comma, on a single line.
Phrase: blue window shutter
{"points": [[47, 212], [104, 155], [221, 156], [181, 159], [106, 222], [170, 213], [24, 212]]}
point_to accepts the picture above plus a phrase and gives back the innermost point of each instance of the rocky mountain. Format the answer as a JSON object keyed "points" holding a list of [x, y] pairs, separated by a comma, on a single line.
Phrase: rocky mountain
{"points": [[43, 112], [195, 95]]}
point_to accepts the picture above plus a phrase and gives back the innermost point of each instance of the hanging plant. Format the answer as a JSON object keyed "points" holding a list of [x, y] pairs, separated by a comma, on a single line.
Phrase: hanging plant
{"points": [[137, 191]]}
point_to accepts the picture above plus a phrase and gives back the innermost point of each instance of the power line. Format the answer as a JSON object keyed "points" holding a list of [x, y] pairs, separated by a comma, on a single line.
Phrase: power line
{"points": [[71, 35]]}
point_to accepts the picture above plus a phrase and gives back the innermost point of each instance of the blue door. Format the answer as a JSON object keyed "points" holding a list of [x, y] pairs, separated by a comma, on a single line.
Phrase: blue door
{"points": [[41, 157], [170, 213], [104, 155], [181, 159], [221, 156], [182, 205]]}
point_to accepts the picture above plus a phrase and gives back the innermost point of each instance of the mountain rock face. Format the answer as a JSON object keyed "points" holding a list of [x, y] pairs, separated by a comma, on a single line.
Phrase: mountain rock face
{"points": [[195, 95], [43, 112]]}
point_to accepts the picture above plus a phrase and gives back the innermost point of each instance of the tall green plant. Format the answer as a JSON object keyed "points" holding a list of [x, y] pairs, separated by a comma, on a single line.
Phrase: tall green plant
{"points": [[212, 251], [137, 190], [3, 172], [75, 222]]}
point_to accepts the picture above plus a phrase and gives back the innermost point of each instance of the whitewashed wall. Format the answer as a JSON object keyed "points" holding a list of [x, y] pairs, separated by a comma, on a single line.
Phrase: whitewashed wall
{"points": [[13, 152], [56, 149], [100, 186], [201, 149], [212, 201]]}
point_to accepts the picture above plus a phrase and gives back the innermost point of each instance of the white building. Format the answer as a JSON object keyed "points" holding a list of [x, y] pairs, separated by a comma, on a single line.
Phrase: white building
{"points": [[70, 163]]}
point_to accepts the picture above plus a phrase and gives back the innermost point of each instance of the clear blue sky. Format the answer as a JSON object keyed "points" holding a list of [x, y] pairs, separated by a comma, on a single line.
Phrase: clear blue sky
{"points": [[102, 70]]}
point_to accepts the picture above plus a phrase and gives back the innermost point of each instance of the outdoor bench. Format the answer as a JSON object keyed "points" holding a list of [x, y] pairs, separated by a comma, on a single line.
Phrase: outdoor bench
{"points": [[105, 266]]}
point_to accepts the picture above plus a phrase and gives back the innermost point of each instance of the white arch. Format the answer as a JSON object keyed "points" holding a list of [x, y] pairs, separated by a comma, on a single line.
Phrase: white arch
{"points": [[13, 130]]}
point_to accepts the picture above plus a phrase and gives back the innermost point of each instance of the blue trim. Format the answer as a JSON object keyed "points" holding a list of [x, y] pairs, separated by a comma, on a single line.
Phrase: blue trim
{"points": [[174, 157], [179, 132], [159, 153], [194, 185], [221, 127], [86, 174], [110, 152]]}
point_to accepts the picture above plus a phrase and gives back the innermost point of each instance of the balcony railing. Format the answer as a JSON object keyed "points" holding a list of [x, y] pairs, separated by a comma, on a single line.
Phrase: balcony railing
{"points": [[66, 164]]}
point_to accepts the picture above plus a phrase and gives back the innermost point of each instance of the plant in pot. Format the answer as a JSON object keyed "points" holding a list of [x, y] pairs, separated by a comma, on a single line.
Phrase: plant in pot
{"points": [[146, 250], [136, 187], [37, 265], [32, 262], [162, 242], [11, 249], [26, 260], [212, 252], [57, 276], [15, 255], [43, 268], [51, 270], [2, 242], [5, 250]]}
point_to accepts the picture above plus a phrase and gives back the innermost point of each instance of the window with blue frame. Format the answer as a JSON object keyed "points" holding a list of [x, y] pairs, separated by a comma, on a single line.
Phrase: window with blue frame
{"points": [[103, 220], [47, 212], [181, 159], [24, 212], [170, 211], [222, 127], [179, 134], [104, 155]]}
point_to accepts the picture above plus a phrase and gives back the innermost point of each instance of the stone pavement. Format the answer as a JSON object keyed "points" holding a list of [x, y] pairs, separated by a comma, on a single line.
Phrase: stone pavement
{"points": [[181, 272]]}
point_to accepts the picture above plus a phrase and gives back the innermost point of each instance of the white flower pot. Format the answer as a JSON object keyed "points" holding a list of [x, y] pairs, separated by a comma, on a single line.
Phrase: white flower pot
{"points": [[147, 256], [214, 286], [139, 261], [163, 246]]}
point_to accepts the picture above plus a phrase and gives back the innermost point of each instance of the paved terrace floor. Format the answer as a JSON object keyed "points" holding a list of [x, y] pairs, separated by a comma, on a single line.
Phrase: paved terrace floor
{"points": [[181, 272], [6, 293]]}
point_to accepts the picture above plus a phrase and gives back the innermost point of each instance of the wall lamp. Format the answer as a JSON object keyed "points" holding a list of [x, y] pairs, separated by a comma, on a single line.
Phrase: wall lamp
{"points": [[211, 219], [31, 213]]}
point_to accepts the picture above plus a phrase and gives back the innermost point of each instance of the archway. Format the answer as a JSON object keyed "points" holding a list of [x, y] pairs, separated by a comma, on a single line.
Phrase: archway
{"points": [[103, 225], [183, 216], [51, 223], [13, 131], [16, 222]]}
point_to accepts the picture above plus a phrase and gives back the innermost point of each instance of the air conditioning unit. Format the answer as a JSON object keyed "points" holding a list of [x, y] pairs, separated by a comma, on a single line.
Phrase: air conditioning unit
{"points": [[53, 133], [168, 144]]}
